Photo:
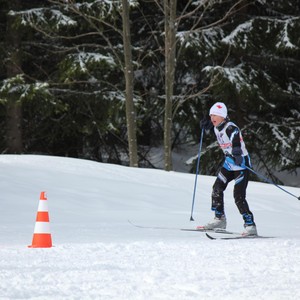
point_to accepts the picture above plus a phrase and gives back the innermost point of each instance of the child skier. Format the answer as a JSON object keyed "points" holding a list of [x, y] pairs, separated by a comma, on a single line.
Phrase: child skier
{"points": [[232, 144]]}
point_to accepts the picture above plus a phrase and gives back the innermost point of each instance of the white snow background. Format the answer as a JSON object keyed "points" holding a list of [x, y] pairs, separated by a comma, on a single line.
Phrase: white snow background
{"points": [[97, 254]]}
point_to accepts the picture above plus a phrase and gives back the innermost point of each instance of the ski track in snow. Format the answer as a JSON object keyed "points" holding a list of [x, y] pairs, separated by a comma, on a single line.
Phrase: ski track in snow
{"points": [[97, 254]]}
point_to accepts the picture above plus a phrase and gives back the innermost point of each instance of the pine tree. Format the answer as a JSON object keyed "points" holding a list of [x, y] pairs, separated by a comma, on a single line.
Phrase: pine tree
{"points": [[77, 54], [245, 54], [260, 81]]}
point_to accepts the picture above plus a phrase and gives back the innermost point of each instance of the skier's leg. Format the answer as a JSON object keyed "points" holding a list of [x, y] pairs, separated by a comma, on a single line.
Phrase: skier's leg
{"points": [[217, 200], [241, 183], [217, 205]]}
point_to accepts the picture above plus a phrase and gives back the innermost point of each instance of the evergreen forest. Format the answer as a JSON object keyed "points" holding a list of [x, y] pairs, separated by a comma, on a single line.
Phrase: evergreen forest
{"points": [[128, 81]]}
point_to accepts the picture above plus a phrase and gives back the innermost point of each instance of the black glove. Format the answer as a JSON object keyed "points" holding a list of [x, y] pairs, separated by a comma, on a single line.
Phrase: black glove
{"points": [[237, 156], [239, 160], [206, 124]]}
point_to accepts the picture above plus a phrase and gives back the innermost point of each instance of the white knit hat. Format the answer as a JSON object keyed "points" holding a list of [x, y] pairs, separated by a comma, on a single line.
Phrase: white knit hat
{"points": [[219, 109]]}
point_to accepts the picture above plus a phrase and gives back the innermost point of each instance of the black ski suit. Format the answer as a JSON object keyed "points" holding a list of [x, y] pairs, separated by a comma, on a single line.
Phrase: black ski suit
{"points": [[232, 144]]}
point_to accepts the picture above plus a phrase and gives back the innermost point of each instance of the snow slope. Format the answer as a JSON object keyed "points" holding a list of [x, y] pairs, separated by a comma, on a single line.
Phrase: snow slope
{"points": [[99, 255]]}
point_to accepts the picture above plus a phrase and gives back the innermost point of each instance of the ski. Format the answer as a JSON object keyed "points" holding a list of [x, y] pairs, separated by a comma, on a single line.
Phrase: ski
{"points": [[217, 230], [166, 228], [236, 237], [213, 234]]}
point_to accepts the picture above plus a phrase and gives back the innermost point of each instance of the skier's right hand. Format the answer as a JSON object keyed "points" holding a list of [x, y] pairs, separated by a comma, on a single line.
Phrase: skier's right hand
{"points": [[206, 124]]}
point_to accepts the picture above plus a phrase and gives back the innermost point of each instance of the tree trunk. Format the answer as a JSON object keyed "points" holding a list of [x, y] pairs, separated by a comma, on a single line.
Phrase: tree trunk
{"points": [[170, 52], [128, 71], [14, 108]]}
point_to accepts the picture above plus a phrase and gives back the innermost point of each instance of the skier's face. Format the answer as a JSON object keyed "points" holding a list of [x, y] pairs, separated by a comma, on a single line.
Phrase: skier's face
{"points": [[216, 120]]}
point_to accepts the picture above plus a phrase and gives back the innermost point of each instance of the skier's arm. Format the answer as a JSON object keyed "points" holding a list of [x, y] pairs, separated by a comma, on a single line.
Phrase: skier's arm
{"points": [[233, 133]]}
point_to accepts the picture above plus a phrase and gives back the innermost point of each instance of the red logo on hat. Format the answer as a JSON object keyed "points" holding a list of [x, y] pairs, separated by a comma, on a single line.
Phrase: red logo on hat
{"points": [[219, 106]]}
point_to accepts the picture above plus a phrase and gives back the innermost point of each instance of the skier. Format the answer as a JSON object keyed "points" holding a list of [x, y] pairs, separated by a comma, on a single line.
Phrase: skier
{"points": [[231, 142]]}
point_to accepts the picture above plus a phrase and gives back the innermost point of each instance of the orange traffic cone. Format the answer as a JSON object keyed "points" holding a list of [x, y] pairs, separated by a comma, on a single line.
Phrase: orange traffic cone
{"points": [[42, 236]]}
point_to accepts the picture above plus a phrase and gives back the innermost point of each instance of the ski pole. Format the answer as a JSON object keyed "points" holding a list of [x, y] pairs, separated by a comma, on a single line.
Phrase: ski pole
{"points": [[197, 171], [269, 181]]}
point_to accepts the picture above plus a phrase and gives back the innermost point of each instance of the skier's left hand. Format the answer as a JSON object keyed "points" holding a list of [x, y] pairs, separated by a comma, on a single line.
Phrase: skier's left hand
{"points": [[237, 156], [239, 160]]}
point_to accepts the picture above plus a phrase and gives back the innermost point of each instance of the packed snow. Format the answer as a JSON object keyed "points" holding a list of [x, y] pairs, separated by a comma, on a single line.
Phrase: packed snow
{"points": [[98, 254]]}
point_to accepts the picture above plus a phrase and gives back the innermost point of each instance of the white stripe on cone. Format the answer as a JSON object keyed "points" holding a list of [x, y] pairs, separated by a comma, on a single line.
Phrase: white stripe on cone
{"points": [[42, 227], [43, 205]]}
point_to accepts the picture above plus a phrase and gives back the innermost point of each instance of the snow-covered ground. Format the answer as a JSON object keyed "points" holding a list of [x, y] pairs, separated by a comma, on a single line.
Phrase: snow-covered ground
{"points": [[97, 254]]}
